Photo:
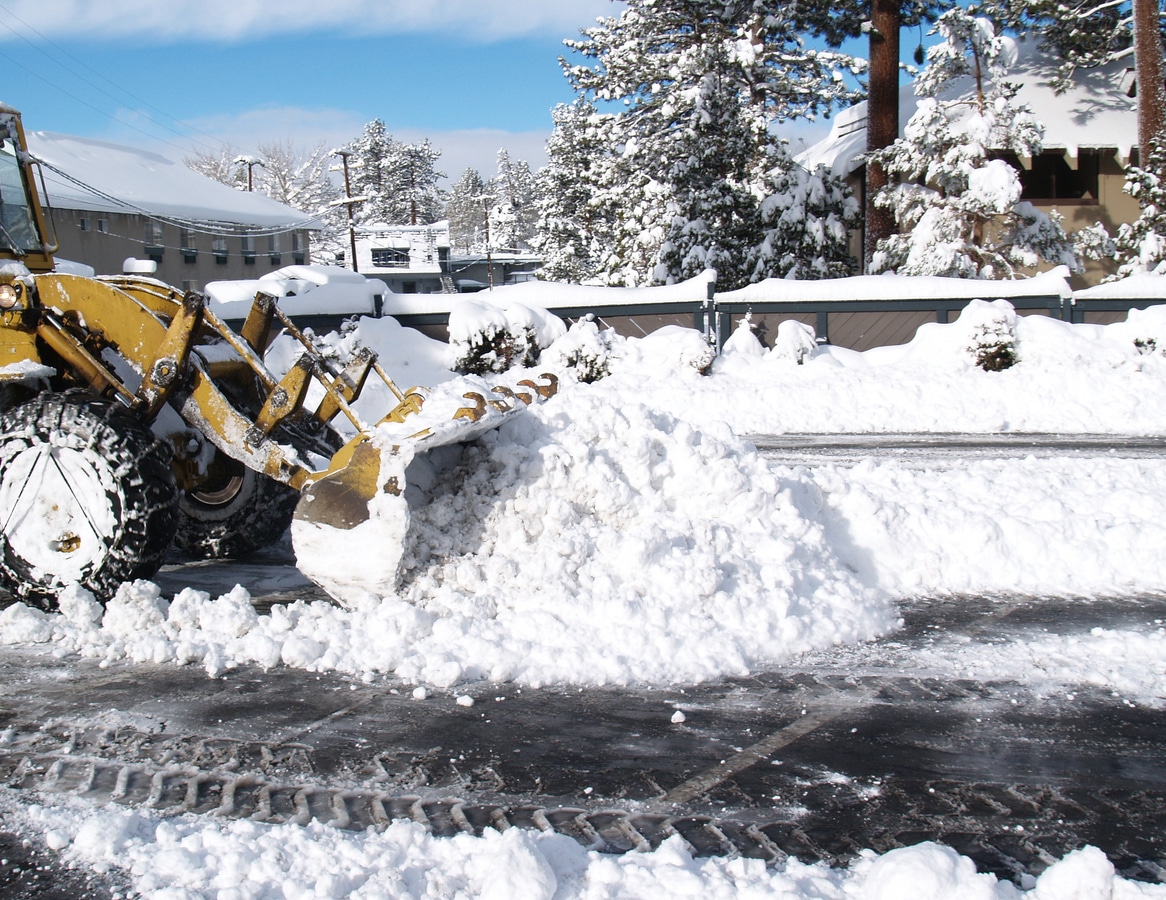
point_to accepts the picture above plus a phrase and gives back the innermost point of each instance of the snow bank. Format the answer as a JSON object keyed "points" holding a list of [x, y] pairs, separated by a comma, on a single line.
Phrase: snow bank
{"points": [[200, 857], [1068, 378]]}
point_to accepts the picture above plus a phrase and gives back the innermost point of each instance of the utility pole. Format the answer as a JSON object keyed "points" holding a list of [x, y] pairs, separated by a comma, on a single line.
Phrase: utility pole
{"points": [[489, 253], [250, 162], [349, 201]]}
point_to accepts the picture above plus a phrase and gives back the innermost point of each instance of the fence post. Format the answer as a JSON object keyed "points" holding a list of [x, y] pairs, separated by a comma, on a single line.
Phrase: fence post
{"points": [[823, 328]]}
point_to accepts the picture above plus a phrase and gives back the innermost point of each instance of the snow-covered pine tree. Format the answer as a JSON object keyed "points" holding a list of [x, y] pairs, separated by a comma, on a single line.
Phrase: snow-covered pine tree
{"points": [[465, 211], [804, 222], [413, 196], [371, 176], [674, 179], [711, 205], [564, 235], [514, 210], [1140, 246], [958, 208]]}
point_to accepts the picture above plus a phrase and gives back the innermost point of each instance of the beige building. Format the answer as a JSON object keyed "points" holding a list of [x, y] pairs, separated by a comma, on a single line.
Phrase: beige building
{"points": [[110, 203], [1090, 139]]}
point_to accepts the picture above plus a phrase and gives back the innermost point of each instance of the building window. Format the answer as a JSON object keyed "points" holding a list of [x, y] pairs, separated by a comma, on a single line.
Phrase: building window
{"points": [[390, 258], [249, 249], [1051, 178], [103, 226], [299, 255], [83, 222], [154, 241], [273, 248], [189, 247], [219, 249]]}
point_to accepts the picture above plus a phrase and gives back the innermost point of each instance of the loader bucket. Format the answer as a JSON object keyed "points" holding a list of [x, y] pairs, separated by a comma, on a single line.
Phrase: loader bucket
{"points": [[350, 526]]}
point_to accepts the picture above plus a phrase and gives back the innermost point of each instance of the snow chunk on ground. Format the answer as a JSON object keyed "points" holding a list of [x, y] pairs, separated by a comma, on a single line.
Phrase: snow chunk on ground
{"points": [[202, 856]]}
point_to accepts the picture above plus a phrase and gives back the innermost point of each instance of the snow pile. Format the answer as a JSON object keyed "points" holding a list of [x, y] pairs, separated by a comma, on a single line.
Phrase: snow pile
{"points": [[559, 542], [189, 858]]}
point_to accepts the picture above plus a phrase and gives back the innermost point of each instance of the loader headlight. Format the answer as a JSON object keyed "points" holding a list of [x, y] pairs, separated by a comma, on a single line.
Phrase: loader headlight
{"points": [[9, 295]]}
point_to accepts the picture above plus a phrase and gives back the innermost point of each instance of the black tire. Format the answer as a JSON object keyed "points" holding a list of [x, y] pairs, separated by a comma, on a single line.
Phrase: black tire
{"points": [[87, 496], [239, 512]]}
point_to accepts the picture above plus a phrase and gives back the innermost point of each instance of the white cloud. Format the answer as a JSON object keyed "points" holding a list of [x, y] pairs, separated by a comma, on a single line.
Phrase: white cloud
{"points": [[307, 128], [237, 20]]}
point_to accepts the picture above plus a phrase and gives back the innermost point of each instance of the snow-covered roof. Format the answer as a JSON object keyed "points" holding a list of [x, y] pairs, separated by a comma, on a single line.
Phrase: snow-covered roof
{"points": [[1096, 113], [403, 236], [86, 174]]}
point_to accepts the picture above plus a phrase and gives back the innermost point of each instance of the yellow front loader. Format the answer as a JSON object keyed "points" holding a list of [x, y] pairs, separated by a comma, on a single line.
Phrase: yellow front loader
{"points": [[132, 418]]}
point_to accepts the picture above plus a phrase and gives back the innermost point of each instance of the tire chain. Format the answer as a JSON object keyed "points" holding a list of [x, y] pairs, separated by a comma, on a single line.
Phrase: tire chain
{"points": [[185, 788]]}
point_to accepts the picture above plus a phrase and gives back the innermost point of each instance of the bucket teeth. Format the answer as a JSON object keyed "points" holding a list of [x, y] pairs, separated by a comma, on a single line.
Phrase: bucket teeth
{"points": [[476, 411], [546, 391]]}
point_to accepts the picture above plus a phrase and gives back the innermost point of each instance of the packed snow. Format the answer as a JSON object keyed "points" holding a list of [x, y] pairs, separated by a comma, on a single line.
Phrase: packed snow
{"points": [[624, 532]]}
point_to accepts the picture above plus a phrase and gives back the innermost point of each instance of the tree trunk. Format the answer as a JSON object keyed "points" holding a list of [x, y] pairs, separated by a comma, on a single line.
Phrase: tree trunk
{"points": [[1148, 66], [882, 115]]}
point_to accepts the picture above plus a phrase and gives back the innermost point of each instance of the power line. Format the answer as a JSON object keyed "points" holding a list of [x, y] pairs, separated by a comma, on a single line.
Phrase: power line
{"points": [[127, 93]]}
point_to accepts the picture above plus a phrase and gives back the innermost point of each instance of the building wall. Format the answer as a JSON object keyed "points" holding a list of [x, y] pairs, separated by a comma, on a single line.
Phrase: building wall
{"points": [[185, 259], [1113, 208]]}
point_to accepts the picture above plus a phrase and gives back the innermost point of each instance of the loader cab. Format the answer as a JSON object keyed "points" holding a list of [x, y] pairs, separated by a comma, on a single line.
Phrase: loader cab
{"points": [[25, 235]]}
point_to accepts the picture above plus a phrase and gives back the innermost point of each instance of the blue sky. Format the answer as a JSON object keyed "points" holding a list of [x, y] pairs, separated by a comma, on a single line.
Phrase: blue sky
{"points": [[177, 75], [180, 76]]}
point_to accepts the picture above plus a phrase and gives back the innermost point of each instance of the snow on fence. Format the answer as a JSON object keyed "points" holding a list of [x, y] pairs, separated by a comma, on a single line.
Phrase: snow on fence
{"points": [[826, 305]]}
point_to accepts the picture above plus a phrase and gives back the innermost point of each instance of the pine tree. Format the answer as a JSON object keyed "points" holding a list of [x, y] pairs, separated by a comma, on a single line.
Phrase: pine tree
{"points": [[413, 196], [513, 211], [958, 209], [805, 220], [565, 234], [371, 175], [466, 212], [677, 178]]}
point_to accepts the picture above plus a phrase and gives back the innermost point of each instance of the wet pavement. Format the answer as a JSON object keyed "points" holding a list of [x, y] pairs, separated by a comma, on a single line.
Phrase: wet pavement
{"points": [[832, 754]]}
